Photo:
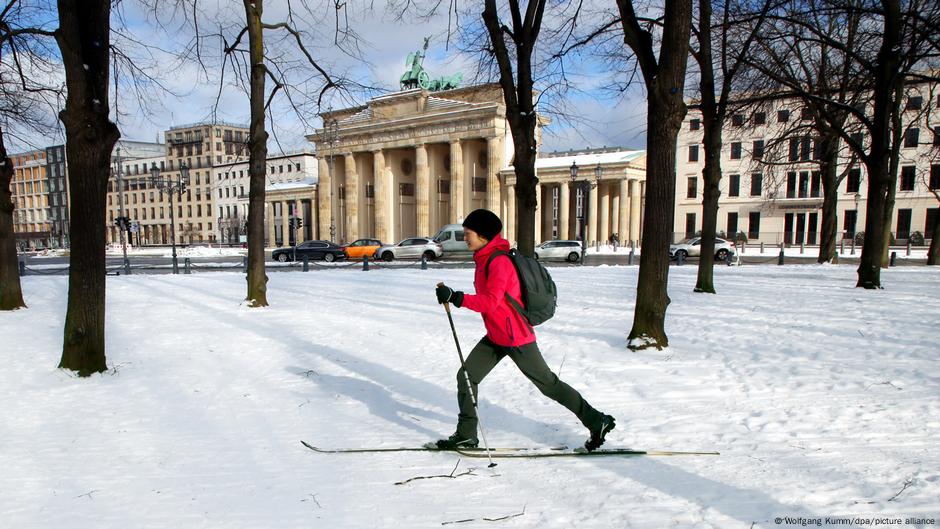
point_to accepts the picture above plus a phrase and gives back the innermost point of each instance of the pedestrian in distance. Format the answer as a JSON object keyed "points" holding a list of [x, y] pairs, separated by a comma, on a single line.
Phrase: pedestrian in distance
{"points": [[508, 334]]}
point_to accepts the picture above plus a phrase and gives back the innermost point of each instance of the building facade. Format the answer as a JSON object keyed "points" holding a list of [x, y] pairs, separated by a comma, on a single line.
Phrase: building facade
{"points": [[771, 190], [31, 215], [57, 184], [410, 162]]}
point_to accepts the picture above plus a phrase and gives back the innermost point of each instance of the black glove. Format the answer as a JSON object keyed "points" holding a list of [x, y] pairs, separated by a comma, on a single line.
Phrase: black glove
{"points": [[445, 294]]}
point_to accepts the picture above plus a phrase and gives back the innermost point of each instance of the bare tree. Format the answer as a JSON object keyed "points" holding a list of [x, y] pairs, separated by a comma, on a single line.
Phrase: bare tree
{"points": [[738, 28], [664, 77]]}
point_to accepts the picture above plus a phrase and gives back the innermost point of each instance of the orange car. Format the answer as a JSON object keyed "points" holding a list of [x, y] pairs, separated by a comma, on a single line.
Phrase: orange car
{"points": [[362, 247]]}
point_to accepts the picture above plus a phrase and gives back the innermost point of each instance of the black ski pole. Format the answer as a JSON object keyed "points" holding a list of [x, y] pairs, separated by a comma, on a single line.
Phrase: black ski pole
{"points": [[473, 396]]}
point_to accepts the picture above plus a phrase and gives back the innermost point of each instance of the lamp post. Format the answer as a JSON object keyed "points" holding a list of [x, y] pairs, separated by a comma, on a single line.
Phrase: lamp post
{"points": [[584, 186], [123, 224], [330, 136], [171, 185]]}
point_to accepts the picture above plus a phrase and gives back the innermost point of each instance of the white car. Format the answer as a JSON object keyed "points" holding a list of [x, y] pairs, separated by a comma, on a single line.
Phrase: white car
{"points": [[413, 248], [692, 247], [568, 250]]}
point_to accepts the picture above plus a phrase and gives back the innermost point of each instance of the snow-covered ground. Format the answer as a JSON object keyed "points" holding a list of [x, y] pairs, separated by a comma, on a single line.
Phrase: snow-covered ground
{"points": [[823, 399]]}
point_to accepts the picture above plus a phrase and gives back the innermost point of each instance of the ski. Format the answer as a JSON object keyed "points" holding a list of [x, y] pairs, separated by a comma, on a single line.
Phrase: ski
{"points": [[582, 452], [427, 448]]}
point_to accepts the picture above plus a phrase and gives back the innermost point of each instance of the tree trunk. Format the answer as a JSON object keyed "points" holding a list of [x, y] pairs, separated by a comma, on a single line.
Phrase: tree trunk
{"points": [[933, 254], [11, 294], [84, 42], [713, 118], [829, 169], [892, 184], [257, 159]]}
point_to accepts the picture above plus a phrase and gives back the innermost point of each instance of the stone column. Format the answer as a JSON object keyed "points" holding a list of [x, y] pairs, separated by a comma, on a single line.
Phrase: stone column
{"points": [[634, 209], [456, 182], [352, 197], [269, 213], [623, 213], [311, 221], [423, 191], [604, 217], [592, 215], [494, 150], [539, 209], [285, 228], [510, 220], [383, 212], [564, 207], [323, 189], [614, 211]]}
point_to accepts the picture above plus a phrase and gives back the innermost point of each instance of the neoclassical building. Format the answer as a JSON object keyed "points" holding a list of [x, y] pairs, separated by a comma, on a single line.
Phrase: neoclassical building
{"points": [[407, 163]]}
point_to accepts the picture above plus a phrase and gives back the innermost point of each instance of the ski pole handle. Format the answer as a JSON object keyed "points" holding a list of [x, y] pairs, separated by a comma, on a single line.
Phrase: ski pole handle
{"points": [[446, 303]]}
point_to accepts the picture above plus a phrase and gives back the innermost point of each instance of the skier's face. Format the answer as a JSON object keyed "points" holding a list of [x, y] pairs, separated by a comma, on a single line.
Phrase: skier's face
{"points": [[474, 241]]}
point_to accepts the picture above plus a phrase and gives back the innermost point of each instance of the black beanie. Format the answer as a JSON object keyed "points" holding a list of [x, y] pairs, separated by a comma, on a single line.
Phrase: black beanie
{"points": [[484, 222]]}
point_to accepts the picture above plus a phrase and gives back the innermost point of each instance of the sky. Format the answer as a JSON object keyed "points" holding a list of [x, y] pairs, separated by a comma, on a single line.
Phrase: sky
{"points": [[182, 92]]}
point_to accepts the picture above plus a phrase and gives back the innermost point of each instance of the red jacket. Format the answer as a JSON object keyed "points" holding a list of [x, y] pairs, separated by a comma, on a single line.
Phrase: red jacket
{"points": [[504, 326]]}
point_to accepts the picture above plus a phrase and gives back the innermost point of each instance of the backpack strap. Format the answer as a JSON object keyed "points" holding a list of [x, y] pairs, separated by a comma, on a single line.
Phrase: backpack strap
{"points": [[512, 302]]}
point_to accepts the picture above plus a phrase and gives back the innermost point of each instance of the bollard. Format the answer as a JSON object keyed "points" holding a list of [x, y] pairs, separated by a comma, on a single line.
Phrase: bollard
{"points": [[365, 263], [842, 246], [187, 264], [680, 256], [802, 247], [762, 247], [743, 246], [835, 258], [615, 246], [729, 258], [630, 259], [306, 263], [894, 258], [245, 264], [908, 247], [424, 263], [632, 246], [780, 256], [853, 247], [22, 268]]}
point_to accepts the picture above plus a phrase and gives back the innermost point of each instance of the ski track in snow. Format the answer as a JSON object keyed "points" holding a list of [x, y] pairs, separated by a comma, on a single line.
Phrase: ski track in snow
{"points": [[822, 399]]}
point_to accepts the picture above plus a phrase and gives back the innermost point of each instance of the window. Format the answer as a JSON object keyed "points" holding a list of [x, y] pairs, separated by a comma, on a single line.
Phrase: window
{"points": [[756, 184], [695, 124], [806, 113], [757, 149], [479, 185], [911, 137], [783, 116], [406, 190], [936, 136], [734, 185], [791, 184], [443, 187], [732, 225], [804, 184], [908, 174], [859, 138], [933, 215], [737, 120], [794, 149], [736, 150], [815, 185], [692, 189], [806, 149], [693, 153], [370, 191], [904, 224], [690, 224], [760, 118], [753, 228], [935, 177], [854, 180], [848, 223], [914, 103]]}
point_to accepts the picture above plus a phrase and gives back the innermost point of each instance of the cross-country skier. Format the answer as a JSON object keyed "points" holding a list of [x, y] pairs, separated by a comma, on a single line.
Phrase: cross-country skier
{"points": [[508, 334]]}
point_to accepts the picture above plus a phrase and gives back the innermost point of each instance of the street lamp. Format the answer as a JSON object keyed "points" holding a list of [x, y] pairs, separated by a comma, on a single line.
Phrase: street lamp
{"points": [[171, 185], [123, 224], [584, 186], [330, 136]]}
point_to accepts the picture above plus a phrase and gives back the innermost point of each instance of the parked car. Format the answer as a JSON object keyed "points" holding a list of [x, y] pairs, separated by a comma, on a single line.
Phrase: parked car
{"points": [[313, 250], [692, 247], [451, 238], [362, 247], [412, 248], [567, 250]]}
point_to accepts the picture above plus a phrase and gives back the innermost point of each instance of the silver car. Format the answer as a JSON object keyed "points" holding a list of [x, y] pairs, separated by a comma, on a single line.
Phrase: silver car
{"points": [[692, 247], [413, 248], [568, 250]]}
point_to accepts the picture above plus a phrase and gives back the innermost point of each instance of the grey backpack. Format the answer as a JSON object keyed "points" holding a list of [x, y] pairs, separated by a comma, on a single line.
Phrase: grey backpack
{"points": [[539, 294]]}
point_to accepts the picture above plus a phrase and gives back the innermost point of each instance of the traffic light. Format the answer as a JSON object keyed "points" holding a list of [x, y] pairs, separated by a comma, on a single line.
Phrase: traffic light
{"points": [[300, 222]]}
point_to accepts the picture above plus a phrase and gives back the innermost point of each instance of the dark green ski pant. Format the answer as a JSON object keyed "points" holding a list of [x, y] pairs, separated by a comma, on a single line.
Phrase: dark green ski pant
{"points": [[484, 357]]}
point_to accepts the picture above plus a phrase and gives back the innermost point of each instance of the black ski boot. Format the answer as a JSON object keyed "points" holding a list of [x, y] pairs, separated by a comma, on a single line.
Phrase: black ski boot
{"points": [[457, 442], [597, 436]]}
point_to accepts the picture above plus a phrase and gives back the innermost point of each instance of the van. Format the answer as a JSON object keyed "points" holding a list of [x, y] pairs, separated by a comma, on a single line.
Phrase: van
{"points": [[451, 238]]}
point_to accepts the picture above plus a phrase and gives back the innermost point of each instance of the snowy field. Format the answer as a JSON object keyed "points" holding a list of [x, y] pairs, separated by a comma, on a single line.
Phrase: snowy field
{"points": [[823, 399]]}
